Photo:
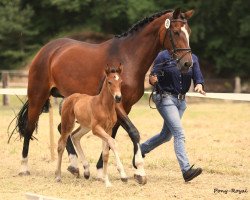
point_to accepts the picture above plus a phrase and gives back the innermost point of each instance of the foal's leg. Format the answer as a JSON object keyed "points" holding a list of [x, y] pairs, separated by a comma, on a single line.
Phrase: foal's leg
{"points": [[99, 164], [99, 131], [76, 137], [138, 163], [60, 149], [105, 157], [73, 166], [68, 120]]}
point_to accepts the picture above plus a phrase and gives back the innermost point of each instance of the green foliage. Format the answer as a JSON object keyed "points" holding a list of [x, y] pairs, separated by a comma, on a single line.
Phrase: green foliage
{"points": [[14, 33], [220, 29]]}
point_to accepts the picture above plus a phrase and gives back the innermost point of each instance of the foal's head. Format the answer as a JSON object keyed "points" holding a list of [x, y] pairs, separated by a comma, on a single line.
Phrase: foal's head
{"points": [[174, 36], [113, 80]]}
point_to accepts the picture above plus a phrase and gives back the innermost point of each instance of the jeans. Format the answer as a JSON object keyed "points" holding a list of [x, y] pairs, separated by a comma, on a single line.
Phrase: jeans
{"points": [[171, 109]]}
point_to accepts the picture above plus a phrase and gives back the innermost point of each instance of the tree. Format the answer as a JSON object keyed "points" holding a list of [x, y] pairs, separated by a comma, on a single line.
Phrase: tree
{"points": [[15, 33]]}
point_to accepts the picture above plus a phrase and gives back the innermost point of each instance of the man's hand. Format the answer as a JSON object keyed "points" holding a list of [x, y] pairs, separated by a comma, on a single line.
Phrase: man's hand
{"points": [[153, 79], [199, 88]]}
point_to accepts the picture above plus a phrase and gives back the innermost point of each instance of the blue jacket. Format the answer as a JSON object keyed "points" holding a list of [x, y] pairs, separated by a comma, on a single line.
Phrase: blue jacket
{"points": [[170, 79]]}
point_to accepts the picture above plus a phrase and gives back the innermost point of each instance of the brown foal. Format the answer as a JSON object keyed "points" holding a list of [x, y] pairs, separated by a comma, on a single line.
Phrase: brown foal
{"points": [[96, 113]]}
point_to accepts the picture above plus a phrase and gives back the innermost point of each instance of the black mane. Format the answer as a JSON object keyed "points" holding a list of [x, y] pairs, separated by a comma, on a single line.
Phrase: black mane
{"points": [[143, 22]]}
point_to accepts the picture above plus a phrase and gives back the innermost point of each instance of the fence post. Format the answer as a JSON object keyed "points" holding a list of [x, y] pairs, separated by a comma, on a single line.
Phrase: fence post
{"points": [[51, 134], [237, 85], [5, 80]]}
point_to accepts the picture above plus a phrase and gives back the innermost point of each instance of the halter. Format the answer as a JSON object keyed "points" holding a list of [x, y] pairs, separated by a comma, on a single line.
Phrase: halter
{"points": [[174, 49]]}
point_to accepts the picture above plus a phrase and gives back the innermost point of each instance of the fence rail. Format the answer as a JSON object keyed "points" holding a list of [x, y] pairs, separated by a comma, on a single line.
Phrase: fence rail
{"points": [[19, 78]]}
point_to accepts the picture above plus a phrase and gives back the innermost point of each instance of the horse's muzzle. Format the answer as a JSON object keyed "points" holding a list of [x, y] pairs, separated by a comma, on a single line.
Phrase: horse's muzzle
{"points": [[185, 66]]}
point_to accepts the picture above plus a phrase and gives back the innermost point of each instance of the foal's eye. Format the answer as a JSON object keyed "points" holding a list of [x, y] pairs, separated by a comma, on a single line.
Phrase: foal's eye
{"points": [[176, 33], [109, 82]]}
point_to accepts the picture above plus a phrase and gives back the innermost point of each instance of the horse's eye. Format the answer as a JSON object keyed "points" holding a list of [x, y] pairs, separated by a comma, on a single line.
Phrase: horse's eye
{"points": [[109, 82]]}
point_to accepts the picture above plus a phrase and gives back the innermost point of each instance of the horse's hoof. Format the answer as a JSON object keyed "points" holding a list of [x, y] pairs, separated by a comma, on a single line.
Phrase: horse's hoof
{"points": [[58, 179], [86, 175], [108, 185], [74, 171], [26, 173], [140, 179], [125, 180]]}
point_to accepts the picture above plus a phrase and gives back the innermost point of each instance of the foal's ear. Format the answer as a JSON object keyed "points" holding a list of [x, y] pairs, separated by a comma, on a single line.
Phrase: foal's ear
{"points": [[189, 14], [120, 69], [176, 13], [107, 70]]}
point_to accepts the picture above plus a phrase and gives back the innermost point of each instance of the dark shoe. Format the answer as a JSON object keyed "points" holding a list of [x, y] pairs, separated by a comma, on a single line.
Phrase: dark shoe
{"points": [[191, 173]]}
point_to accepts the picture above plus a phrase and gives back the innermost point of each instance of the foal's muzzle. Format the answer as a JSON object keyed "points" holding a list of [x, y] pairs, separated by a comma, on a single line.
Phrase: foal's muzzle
{"points": [[118, 98]]}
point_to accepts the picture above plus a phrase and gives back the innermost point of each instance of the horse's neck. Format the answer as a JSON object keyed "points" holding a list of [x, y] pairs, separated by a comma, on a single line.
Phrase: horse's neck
{"points": [[142, 47], [105, 97]]}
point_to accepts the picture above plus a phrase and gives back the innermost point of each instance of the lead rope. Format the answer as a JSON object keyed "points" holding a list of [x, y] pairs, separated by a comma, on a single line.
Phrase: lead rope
{"points": [[151, 97]]}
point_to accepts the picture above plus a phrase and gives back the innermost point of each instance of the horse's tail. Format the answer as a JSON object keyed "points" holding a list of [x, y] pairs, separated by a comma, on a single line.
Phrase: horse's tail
{"points": [[22, 120]]}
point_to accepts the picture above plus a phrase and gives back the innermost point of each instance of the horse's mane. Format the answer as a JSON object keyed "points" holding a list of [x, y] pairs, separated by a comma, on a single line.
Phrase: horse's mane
{"points": [[142, 23]]}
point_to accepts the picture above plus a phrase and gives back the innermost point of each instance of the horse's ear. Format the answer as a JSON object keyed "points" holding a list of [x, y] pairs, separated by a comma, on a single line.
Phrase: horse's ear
{"points": [[176, 13], [189, 14]]}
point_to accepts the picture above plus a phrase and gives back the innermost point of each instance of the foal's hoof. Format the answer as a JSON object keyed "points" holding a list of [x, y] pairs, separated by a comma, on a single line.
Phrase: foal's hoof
{"points": [[125, 180], [26, 173], [58, 179], [140, 179], [86, 175], [74, 171]]}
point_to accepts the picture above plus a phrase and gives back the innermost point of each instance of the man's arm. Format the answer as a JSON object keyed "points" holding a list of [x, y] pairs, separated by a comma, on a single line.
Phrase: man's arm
{"points": [[198, 77]]}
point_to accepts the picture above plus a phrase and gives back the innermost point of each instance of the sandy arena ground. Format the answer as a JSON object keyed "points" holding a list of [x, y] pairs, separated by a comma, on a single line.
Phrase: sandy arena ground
{"points": [[217, 139]]}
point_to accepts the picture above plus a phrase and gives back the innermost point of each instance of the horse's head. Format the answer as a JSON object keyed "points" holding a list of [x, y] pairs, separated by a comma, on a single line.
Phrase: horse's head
{"points": [[174, 36], [113, 80]]}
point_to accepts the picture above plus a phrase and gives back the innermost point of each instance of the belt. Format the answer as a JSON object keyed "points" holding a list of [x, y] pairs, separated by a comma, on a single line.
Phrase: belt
{"points": [[178, 96]]}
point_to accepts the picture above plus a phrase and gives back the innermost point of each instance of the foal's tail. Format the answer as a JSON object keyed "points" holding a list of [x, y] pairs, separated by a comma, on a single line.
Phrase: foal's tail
{"points": [[22, 120]]}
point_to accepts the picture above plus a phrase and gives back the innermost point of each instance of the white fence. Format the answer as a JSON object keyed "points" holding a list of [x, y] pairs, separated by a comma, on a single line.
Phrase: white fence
{"points": [[223, 96]]}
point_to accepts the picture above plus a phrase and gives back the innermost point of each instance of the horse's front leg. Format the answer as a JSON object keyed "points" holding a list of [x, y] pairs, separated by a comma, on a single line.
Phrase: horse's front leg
{"points": [[138, 163]]}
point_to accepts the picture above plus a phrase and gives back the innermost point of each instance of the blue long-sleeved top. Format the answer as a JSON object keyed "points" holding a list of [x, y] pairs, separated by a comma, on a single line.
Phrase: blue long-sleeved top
{"points": [[170, 79]]}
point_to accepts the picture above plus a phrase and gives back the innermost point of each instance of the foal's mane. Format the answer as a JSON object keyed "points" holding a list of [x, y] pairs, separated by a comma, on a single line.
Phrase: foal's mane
{"points": [[142, 23]]}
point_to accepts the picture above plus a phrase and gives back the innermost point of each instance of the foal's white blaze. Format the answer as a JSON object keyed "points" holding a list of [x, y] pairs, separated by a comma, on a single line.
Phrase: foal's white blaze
{"points": [[116, 77], [183, 28]]}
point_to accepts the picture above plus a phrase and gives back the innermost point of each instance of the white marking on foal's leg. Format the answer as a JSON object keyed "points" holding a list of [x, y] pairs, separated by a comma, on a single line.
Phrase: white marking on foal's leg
{"points": [[139, 163], [24, 167]]}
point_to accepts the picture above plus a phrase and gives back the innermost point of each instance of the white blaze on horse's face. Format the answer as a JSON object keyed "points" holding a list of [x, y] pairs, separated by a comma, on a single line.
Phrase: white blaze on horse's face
{"points": [[184, 30]]}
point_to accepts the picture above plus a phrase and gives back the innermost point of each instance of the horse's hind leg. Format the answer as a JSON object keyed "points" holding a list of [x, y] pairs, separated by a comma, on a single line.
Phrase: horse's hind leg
{"points": [[31, 117], [76, 137]]}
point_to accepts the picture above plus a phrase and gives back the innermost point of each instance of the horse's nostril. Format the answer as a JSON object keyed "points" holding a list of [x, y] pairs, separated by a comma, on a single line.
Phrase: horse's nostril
{"points": [[187, 64]]}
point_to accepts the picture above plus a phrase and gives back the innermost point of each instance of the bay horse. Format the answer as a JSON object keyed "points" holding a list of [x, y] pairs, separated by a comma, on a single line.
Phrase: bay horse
{"points": [[65, 66], [96, 113]]}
